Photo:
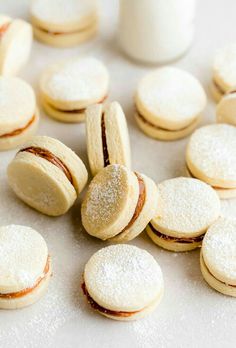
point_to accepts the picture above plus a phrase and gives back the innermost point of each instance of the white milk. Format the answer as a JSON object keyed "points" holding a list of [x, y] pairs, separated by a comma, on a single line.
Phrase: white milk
{"points": [[156, 31]]}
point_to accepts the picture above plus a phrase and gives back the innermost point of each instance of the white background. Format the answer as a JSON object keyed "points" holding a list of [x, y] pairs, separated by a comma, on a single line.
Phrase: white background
{"points": [[191, 314]]}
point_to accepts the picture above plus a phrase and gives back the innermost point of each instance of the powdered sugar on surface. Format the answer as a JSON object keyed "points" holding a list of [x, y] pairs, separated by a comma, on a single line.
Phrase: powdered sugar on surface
{"points": [[219, 248], [186, 206], [77, 80], [212, 149], [123, 277]]}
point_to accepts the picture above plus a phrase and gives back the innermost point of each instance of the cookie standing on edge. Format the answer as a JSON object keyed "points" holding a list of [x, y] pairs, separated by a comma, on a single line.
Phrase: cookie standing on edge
{"points": [[25, 266], [18, 112], [211, 157], [186, 208], [47, 175], [119, 204], [224, 76], [169, 103], [123, 282], [68, 88], [225, 111], [15, 45], [107, 136], [218, 256], [64, 23]]}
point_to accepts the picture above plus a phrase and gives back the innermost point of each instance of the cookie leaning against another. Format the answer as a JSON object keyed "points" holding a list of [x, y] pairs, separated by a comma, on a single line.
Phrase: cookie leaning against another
{"points": [[47, 175], [64, 23], [68, 88], [19, 115], [107, 136], [211, 157], [169, 103], [186, 208], [225, 111], [218, 256], [123, 282], [119, 204], [15, 44], [25, 266]]}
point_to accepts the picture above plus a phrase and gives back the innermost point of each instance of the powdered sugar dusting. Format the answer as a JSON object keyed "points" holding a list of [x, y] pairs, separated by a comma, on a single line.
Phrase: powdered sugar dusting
{"points": [[219, 248], [225, 64], [23, 256], [186, 206], [80, 79], [212, 149], [124, 277]]}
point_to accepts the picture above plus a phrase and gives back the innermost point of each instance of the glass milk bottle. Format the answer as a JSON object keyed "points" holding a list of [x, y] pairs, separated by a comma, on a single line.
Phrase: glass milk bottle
{"points": [[156, 31]]}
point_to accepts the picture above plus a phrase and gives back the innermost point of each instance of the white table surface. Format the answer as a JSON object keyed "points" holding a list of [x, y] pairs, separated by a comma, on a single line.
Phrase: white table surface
{"points": [[191, 314]]}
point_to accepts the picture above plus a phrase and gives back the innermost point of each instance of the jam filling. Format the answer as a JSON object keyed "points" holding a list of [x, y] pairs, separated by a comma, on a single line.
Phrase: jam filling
{"points": [[182, 240], [75, 111], [19, 130], [4, 28], [101, 309], [233, 286], [50, 157], [104, 142], [26, 291]]}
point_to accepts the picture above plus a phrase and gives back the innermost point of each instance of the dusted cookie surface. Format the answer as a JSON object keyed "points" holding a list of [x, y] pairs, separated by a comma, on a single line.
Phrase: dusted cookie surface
{"points": [[47, 175], [25, 266], [123, 281], [225, 110]]}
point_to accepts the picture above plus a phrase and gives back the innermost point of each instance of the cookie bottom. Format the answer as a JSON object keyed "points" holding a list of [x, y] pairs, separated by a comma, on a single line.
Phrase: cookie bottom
{"points": [[67, 39], [11, 142], [30, 298], [63, 116], [164, 134], [215, 92], [215, 283], [171, 245]]}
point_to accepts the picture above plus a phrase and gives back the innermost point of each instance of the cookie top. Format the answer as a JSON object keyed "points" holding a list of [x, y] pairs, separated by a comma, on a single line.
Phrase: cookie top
{"points": [[23, 257], [17, 104], [110, 201], [186, 207], [224, 67], [225, 110], [123, 277], [219, 250], [170, 97], [75, 84], [211, 155], [58, 14]]}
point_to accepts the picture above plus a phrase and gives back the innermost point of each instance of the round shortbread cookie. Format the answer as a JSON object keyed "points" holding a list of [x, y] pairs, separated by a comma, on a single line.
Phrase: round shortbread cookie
{"points": [[118, 204], [18, 113], [15, 45], [225, 110], [164, 134], [24, 266], [224, 66], [219, 256], [211, 154], [73, 85], [124, 281], [47, 175], [186, 208], [63, 15], [107, 136], [170, 98]]}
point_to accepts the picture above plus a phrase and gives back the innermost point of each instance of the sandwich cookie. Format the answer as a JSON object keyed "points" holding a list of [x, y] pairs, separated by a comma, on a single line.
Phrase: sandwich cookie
{"points": [[64, 23], [119, 204], [169, 103], [218, 256], [25, 266], [15, 45], [211, 157], [47, 175], [68, 88], [123, 282], [225, 111], [107, 136], [224, 76], [186, 208], [18, 112]]}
